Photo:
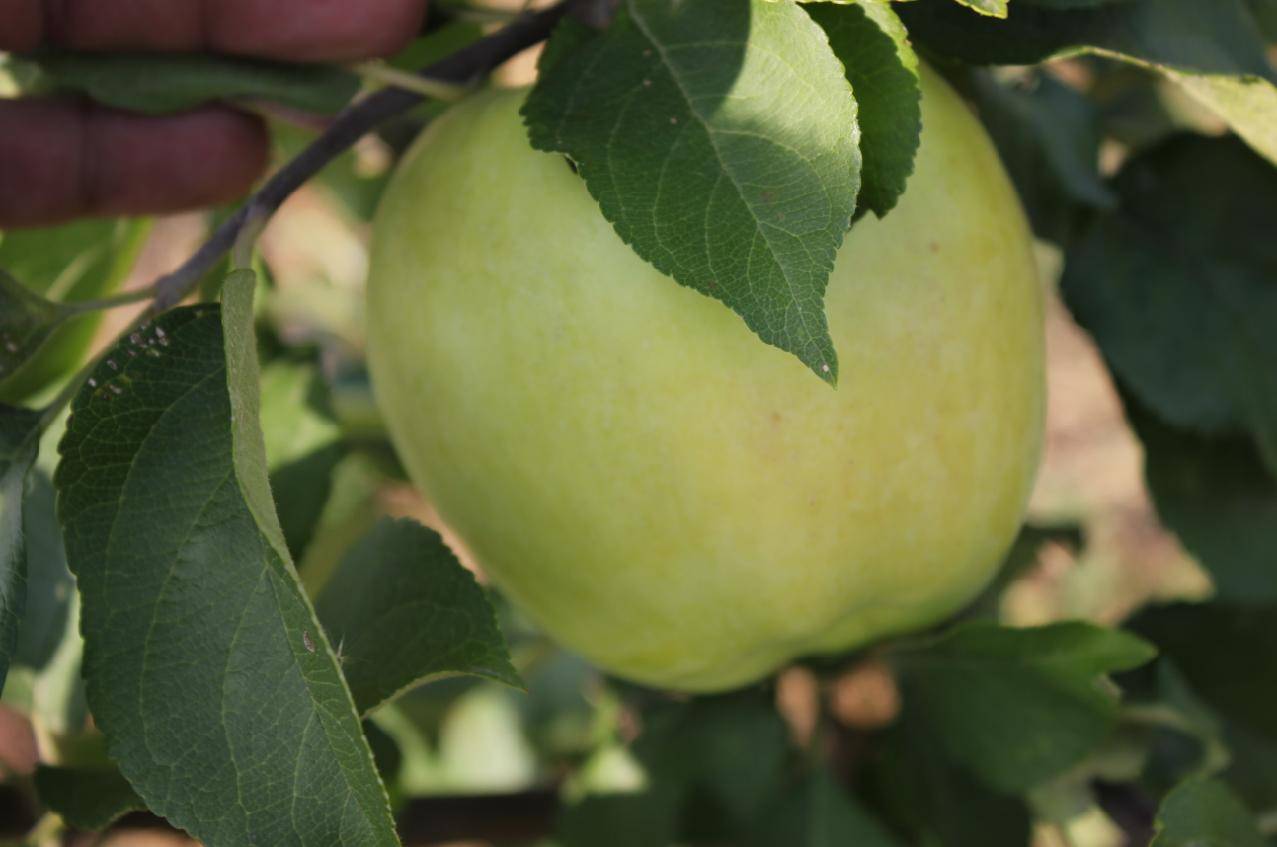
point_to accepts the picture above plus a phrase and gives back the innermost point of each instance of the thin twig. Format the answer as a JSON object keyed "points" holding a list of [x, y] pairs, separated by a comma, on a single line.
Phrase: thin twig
{"points": [[461, 68]]}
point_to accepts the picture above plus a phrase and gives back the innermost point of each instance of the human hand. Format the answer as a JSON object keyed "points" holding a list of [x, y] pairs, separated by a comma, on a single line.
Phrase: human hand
{"points": [[64, 158]]}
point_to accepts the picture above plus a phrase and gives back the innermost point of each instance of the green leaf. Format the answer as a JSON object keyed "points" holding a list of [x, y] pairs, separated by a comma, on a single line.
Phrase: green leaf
{"points": [[818, 812], [19, 440], [1048, 136], [303, 446], [720, 139], [1181, 294], [220, 698], [873, 46], [50, 586], [1205, 813], [156, 83], [84, 260], [1019, 706], [1227, 653], [26, 322], [404, 611], [991, 8], [923, 796], [1213, 50], [711, 764], [88, 799], [1215, 494]]}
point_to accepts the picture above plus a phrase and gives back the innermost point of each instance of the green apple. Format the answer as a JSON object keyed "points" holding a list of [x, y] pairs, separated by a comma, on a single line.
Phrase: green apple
{"points": [[661, 491]]}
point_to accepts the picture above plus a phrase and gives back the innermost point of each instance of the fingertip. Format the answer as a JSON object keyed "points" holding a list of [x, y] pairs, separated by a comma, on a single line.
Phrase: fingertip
{"points": [[318, 30], [66, 159]]}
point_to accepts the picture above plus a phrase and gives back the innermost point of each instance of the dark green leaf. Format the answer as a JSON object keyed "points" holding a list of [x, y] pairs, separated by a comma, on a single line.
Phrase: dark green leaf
{"points": [[1019, 706], [1213, 50], [711, 766], [404, 611], [720, 140], [84, 260], [26, 322], [19, 440], [1048, 136], [880, 64], [1228, 654], [1215, 494], [620, 820], [1252, 770], [1265, 12], [570, 36], [924, 797], [86, 798], [1205, 813], [1181, 293], [818, 812], [220, 698], [155, 83]]}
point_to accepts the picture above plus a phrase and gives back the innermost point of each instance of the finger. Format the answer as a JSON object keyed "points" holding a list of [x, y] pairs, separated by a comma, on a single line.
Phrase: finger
{"points": [[298, 30], [65, 159]]}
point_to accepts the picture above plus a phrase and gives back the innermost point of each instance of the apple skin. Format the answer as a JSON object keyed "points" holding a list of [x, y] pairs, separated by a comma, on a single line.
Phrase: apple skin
{"points": [[684, 505]]}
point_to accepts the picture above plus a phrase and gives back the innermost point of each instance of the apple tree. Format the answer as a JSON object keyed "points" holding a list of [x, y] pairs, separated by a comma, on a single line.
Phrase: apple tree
{"points": [[669, 486]]}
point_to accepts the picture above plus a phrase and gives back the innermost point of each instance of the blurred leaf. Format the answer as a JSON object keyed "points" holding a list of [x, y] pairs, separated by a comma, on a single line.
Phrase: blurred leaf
{"points": [[1181, 294], [404, 610], [880, 64], [711, 765], [924, 797], [26, 322], [1252, 770], [84, 260], [1228, 654], [1205, 813], [1048, 135], [1265, 12], [19, 440], [620, 820], [197, 634], [351, 511], [50, 585], [385, 752], [1213, 50], [303, 446], [1215, 494], [58, 702], [1069, 4], [156, 83], [686, 123], [818, 812], [1019, 706], [86, 799], [435, 45], [992, 8]]}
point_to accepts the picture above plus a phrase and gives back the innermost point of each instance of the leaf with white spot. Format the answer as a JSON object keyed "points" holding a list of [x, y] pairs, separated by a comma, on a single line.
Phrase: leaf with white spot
{"points": [[205, 666]]}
